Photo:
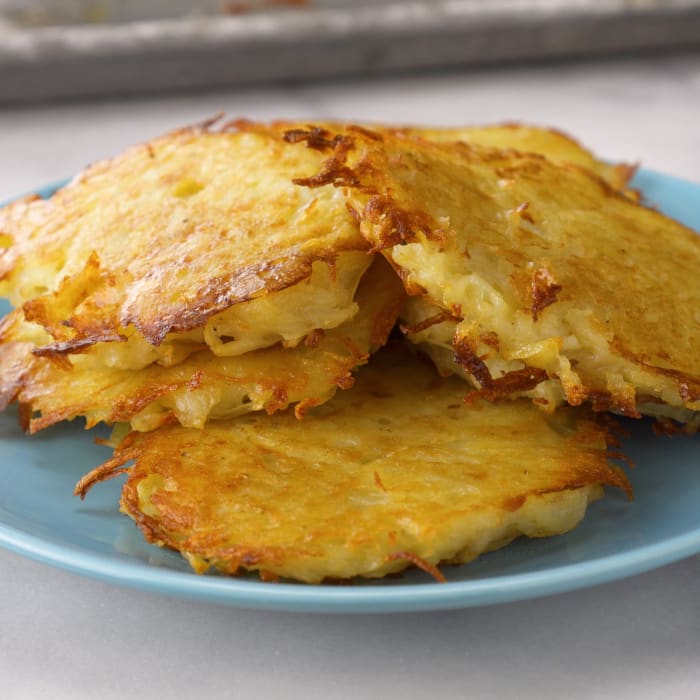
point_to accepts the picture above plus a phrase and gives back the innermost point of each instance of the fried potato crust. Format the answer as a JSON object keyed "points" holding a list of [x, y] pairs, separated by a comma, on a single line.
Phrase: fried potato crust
{"points": [[399, 471], [173, 233], [202, 386], [556, 285]]}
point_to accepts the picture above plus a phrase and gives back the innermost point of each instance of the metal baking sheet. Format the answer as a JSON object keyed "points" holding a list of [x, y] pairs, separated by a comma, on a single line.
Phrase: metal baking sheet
{"points": [[79, 48]]}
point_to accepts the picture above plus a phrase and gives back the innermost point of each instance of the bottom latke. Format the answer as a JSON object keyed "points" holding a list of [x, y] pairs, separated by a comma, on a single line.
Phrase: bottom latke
{"points": [[400, 471]]}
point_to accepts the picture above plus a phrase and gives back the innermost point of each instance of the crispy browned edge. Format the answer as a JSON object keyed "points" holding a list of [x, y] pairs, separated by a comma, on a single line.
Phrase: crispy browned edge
{"points": [[128, 453], [19, 360]]}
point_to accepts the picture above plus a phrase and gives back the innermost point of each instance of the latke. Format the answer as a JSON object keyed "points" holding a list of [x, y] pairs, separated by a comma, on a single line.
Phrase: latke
{"points": [[202, 386], [398, 471], [552, 284], [159, 248]]}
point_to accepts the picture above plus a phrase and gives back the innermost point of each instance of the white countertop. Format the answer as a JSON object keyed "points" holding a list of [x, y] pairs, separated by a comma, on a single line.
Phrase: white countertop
{"points": [[67, 637]]}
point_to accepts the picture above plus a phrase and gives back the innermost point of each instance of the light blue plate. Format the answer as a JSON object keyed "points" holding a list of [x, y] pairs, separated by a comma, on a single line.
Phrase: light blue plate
{"points": [[41, 519]]}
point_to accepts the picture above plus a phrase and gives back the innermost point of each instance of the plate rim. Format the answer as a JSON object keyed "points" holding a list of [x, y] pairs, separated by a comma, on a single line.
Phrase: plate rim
{"points": [[299, 597]]}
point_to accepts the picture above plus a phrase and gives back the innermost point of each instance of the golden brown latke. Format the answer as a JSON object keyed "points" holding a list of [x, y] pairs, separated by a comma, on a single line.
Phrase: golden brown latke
{"points": [[202, 386], [552, 284], [399, 471], [165, 239]]}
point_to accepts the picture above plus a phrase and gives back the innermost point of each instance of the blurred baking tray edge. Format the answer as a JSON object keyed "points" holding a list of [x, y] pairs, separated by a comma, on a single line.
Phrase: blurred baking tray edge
{"points": [[214, 51]]}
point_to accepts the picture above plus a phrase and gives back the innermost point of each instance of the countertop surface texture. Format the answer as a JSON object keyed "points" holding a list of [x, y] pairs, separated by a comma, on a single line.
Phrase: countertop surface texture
{"points": [[66, 637]]}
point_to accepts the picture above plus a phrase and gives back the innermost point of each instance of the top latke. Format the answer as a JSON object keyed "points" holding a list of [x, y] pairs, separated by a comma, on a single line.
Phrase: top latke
{"points": [[169, 234], [560, 286]]}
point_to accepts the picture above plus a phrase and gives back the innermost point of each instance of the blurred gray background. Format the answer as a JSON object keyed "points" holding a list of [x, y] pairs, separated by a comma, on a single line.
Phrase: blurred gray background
{"points": [[79, 48]]}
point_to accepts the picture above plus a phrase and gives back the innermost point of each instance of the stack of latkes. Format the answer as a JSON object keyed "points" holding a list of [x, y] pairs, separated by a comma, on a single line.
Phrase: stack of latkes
{"points": [[219, 294]]}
